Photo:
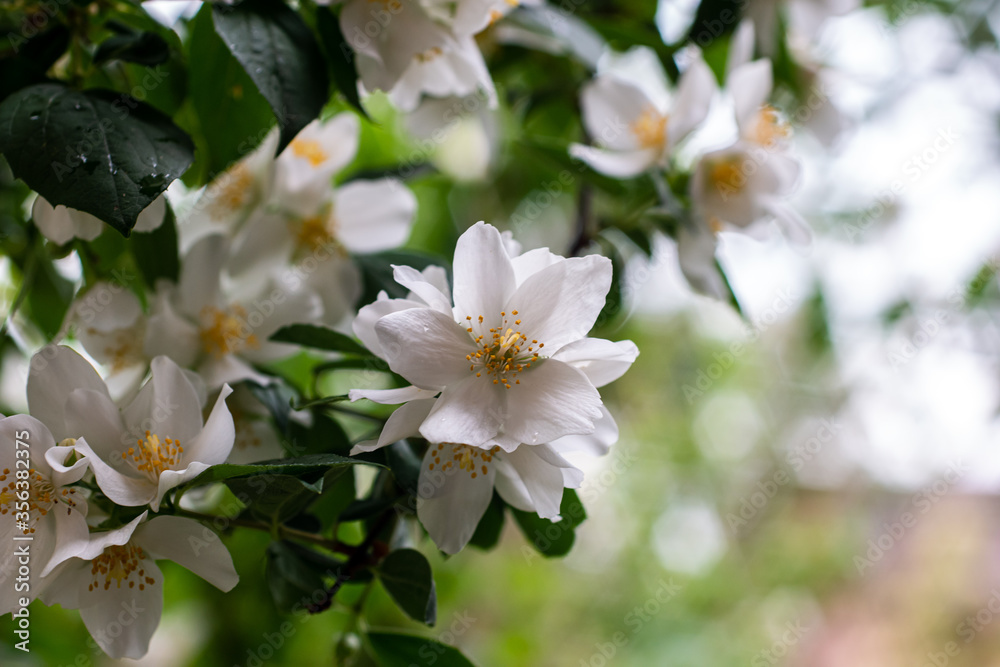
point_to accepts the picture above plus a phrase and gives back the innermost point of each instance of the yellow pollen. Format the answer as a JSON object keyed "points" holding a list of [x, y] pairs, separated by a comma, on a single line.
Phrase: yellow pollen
{"points": [[153, 456], [472, 460], [650, 128], [42, 497], [768, 127], [231, 192], [117, 564], [429, 55], [727, 174], [501, 354], [310, 150], [226, 331]]}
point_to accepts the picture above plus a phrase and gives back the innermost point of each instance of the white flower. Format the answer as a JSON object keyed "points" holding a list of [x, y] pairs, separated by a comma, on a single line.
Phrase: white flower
{"points": [[115, 583], [457, 480], [140, 452], [405, 52], [495, 357], [634, 132], [221, 332], [474, 16], [304, 170], [61, 225], [54, 512], [256, 439]]}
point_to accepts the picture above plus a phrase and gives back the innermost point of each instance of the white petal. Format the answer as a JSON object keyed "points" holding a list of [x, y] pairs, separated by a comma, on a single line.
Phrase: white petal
{"points": [[793, 225], [740, 46], [424, 346], [32, 433], [543, 481], [61, 225], [450, 504], [266, 240], [414, 281], [373, 215], [468, 412], [190, 545], [602, 361], [532, 262], [554, 399], [152, 216], [696, 254], [750, 86], [595, 444], [484, 277], [391, 396], [213, 444], [169, 333], [106, 307], [122, 489], [201, 269], [694, 97], [320, 150], [140, 608], [610, 106], [617, 164], [167, 405], [403, 423], [71, 536], [510, 487], [560, 304], [55, 372], [364, 323], [93, 416]]}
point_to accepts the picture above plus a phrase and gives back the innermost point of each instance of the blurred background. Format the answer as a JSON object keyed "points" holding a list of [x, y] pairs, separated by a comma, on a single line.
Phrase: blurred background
{"points": [[811, 483]]}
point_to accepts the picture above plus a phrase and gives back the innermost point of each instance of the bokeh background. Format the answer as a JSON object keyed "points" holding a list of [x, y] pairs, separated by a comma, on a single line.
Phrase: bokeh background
{"points": [[813, 483]]}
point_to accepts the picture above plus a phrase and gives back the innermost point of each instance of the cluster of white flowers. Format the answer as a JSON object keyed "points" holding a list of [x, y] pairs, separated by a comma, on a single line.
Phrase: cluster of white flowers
{"points": [[734, 187]]}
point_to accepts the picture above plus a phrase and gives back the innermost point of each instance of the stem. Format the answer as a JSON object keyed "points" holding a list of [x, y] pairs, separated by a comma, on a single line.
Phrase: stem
{"points": [[359, 560], [355, 413], [320, 402], [583, 211], [284, 532]]}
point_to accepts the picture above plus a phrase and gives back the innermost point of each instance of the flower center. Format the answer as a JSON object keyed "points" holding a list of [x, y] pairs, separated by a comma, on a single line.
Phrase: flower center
{"points": [[314, 233], [769, 127], [226, 331], [650, 128], [42, 497], [310, 149], [727, 174], [232, 192], [503, 352], [472, 460], [120, 563], [124, 349], [151, 456], [429, 55]]}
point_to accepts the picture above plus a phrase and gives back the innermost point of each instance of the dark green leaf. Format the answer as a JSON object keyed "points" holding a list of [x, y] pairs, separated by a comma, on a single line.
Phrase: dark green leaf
{"points": [[291, 578], [490, 526], [96, 151], [156, 252], [325, 435], [318, 337], [553, 539], [405, 465], [334, 500], [232, 117], [366, 508], [274, 496], [398, 650], [276, 398], [339, 55], [143, 48], [278, 51], [407, 577], [296, 466], [49, 295]]}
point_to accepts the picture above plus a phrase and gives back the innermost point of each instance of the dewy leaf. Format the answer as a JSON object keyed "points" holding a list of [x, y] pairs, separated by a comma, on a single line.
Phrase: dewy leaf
{"points": [[279, 53], [407, 577], [398, 650], [318, 337], [97, 151]]}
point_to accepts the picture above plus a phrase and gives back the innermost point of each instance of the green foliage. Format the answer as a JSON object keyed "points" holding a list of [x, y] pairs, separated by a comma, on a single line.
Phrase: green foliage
{"points": [[407, 577], [398, 650], [548, 538]]}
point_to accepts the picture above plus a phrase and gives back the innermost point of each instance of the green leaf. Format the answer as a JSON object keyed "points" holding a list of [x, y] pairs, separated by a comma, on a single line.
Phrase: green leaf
{"points": [[405, 465], [232, 117], [407, 577], [277, 50], [143, 48], [49, 295], [156, 252], [97, 151], [28, 64], [398, 650], [491, 525], [297, 466], [277, 497], [291, 578], [320, 338], [325, 435], [553, 539], [339, 55]]}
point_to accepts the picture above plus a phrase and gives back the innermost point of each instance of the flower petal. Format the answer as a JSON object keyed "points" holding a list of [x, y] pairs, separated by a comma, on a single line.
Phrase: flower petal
{"points": [[750, 86], [191, 545], [404, 422], [484, 276], [602, 361], [373, 215], [415, 281], [56, 371], [152, 216], [543, 481], [141, 608], [617, 164], [694, 97], [201, 270], [364, 323], [93, 416], [610, 105], [696, 255], [391, 396], [450, 504], [426, 347], [554, 399], [467, 412], [560, 304], [61, 225], [213, 444], [169, 333], [166, 405], [122, 489]]}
